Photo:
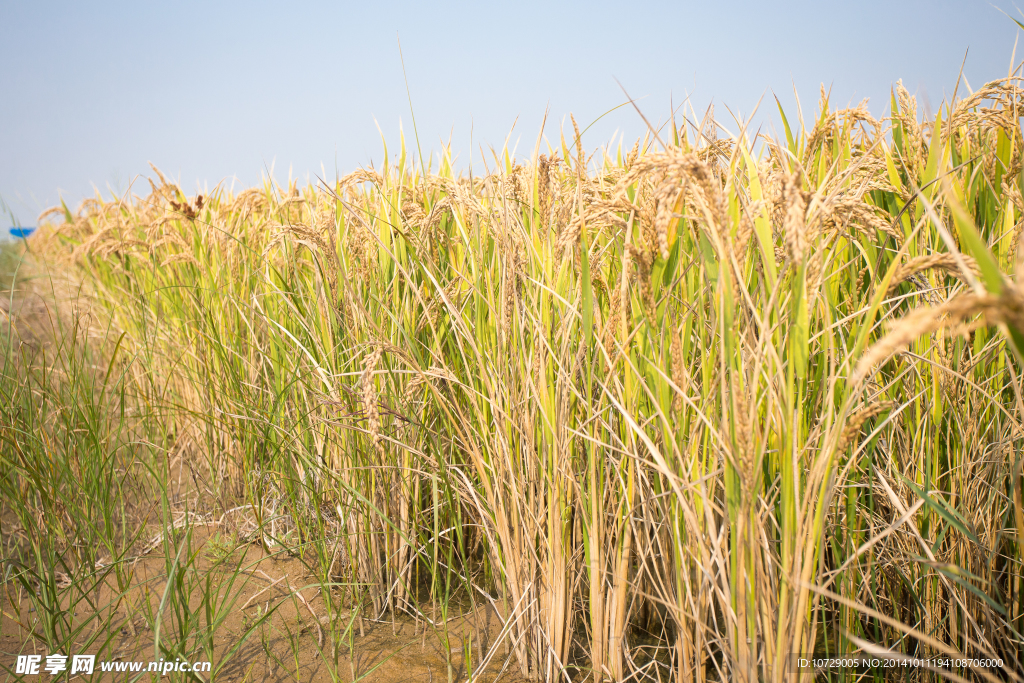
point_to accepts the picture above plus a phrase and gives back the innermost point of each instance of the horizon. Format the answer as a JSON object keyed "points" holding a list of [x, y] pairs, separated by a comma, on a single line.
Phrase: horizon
{"points": [[217, 96]]}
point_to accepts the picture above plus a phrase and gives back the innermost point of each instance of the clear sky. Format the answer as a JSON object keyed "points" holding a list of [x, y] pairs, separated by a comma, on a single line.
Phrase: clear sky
{"points": [[216, 92]]}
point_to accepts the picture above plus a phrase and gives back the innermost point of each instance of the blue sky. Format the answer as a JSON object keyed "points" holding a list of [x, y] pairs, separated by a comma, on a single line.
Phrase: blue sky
{"points": [[224, 92]]}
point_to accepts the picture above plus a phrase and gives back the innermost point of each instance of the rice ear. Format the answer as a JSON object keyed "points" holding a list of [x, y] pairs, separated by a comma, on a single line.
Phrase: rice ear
{"points": [[368, 394], [795, 225], [922, 321], [944, 262], [857, 420]]}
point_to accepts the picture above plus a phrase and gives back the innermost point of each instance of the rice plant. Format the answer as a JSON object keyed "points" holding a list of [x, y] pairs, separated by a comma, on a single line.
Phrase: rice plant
{"points": [[677, 413]]}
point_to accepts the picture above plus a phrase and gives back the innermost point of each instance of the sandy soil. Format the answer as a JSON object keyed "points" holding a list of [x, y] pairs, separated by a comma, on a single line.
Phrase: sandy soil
{"points": [[295, 643]]}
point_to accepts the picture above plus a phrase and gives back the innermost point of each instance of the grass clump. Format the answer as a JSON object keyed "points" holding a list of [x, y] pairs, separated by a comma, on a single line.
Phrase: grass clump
{"points": [[671, 414]]}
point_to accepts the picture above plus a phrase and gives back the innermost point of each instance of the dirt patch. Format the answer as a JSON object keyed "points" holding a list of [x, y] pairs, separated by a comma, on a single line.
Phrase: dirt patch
{"points": [[276, 624]]}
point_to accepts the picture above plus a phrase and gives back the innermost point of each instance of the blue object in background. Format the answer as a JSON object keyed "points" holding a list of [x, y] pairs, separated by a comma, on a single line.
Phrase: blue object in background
{"points": [[22, 232]]}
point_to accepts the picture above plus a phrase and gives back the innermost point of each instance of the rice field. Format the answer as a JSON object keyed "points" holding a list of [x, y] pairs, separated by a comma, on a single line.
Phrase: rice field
{"points": [[670, 413]]}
